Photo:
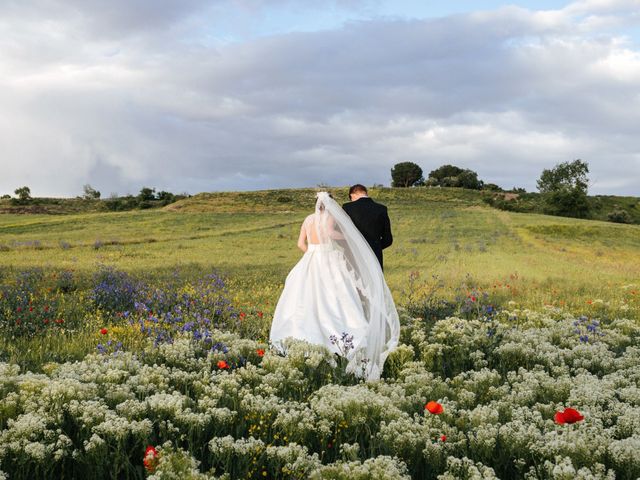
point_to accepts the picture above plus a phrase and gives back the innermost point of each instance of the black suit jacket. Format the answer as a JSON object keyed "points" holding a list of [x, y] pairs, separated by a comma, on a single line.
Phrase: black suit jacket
{"points": [[372, 220]]}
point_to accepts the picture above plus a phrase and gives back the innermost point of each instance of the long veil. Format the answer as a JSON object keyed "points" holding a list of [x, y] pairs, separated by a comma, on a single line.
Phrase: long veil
{"points": [[334, 226]]}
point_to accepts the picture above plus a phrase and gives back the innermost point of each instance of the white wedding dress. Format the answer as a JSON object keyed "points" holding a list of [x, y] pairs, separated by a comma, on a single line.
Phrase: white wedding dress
{"points": [[338, 288]]}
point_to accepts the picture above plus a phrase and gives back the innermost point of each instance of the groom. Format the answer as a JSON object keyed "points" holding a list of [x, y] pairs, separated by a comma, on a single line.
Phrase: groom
{"points": [[370, 218]]}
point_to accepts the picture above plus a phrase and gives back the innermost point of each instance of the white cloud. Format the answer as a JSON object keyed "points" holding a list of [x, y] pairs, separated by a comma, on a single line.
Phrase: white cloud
{"points": [[91, 94]]}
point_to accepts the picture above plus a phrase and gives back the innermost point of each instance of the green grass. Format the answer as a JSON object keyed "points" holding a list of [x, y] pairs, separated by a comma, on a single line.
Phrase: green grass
{"points": [[600, 206], [251, 237], [450, 251]]}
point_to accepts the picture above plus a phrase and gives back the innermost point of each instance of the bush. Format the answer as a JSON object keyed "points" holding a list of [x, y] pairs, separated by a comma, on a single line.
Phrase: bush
{"points": [[567, 203], [166, 197], [619, 216], [119, 204]]}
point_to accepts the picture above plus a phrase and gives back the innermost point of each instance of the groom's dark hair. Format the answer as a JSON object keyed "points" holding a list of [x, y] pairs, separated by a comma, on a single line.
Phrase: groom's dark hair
{"points": [[358, 188]]}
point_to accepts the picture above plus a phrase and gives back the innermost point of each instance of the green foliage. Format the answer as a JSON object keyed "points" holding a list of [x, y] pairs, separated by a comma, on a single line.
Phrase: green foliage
{"points": [[567, 203], [90, 193], [119, 204], [456, 177], [619, 216], [522, 202], [565, 176], [145, 200], [406, 174], [265, 415], [24, 195], [564, 189], [600, 206], [445, 171], [147, 194], [469, 179], [166, 198], [532, 331]]}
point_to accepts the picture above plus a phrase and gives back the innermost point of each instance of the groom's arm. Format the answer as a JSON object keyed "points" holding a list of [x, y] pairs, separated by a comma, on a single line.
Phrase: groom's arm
{"points": [[387, 237]]}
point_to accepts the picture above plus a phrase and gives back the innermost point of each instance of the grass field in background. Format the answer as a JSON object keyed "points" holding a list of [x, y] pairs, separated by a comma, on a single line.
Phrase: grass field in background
{"points": [[535, 260]]}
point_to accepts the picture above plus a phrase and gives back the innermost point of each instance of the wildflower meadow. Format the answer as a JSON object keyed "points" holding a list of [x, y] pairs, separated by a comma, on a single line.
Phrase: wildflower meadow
{"points": [[147, 357]]}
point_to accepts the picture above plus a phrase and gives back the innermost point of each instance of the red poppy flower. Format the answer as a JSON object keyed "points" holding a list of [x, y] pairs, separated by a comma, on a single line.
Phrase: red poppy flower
{"points": [[104, 331], [473, 299], [222, 364], [46, 321], [260, 352], [443, 438], [242, 315], [570, 415], [19, 309], [434, 407], [260, 314], [31, 309], [150, 458], [59, 321]]}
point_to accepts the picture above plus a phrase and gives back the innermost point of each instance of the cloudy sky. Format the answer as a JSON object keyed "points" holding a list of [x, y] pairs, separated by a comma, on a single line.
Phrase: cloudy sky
{"points": [[205, 95]]}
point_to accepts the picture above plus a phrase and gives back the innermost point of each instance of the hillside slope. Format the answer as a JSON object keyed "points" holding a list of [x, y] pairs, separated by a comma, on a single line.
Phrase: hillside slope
{"points": [[448, 238]]}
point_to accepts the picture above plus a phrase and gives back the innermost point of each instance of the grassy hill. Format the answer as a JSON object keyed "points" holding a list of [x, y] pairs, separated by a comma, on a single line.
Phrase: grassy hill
{"points": [[448, 238], [601, 206], [52, 206]]}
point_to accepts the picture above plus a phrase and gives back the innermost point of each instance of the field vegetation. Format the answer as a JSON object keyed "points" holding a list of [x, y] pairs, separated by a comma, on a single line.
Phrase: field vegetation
{"points": [[136, 344]]}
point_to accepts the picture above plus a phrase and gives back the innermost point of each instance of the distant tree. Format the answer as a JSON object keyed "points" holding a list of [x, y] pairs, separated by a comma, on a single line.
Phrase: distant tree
{"points": [[5, 197], [566, 175], [564, 189], [147, 194], [23, 193], [445, 171], [518, 190], [166, 197], [469, 179], [452, 176], [406, 174], [90, 193]]}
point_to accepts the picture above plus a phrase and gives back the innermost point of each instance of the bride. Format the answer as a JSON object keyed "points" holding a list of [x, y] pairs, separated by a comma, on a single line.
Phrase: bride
{"points": [[337, 291]]}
